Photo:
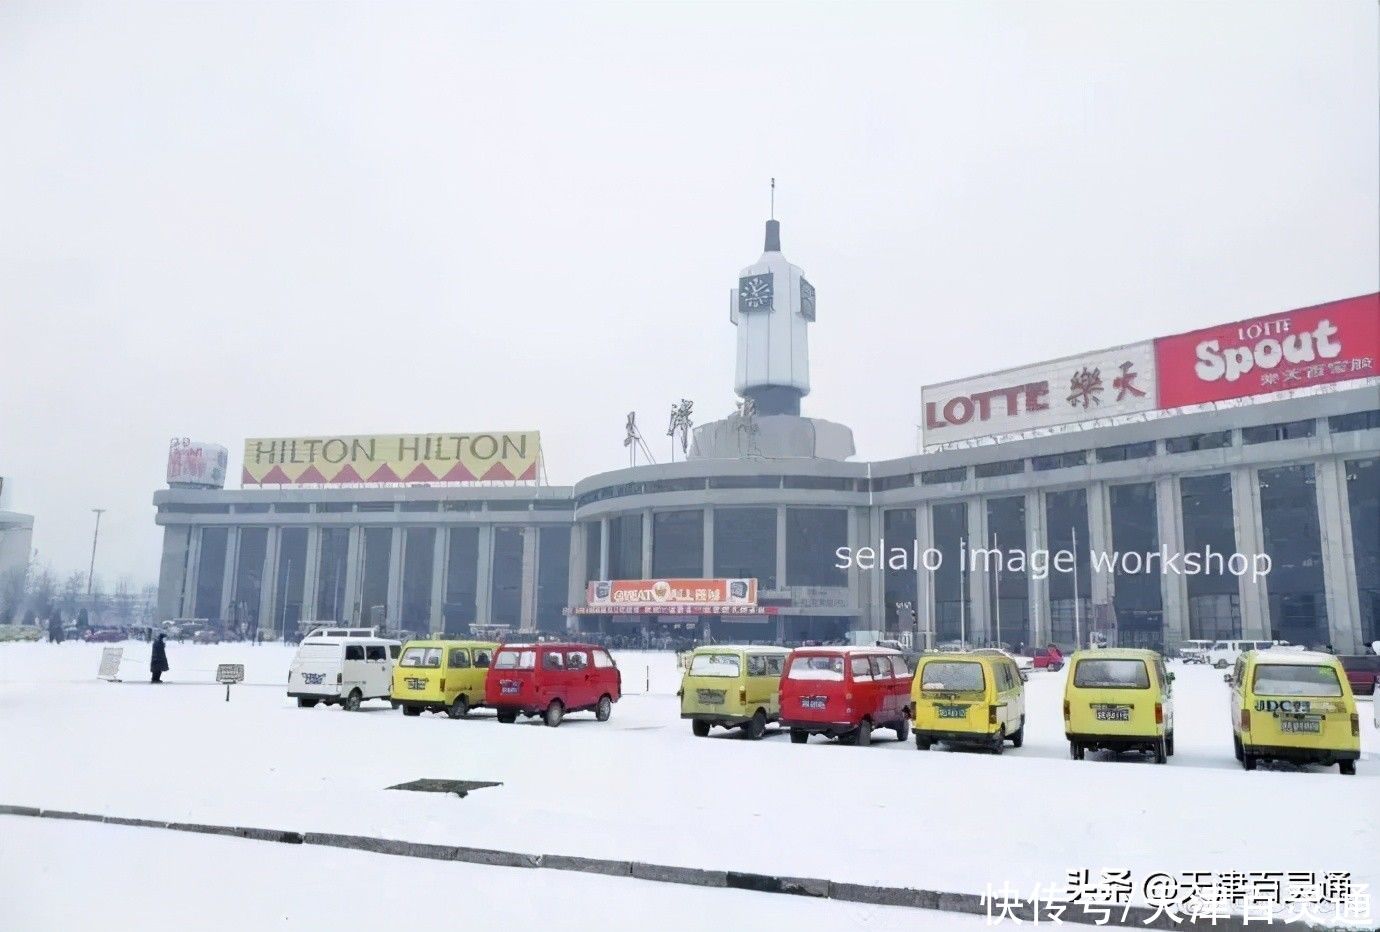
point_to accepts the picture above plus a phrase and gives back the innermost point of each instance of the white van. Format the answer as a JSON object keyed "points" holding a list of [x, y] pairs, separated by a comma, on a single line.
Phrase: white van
{"points": [[342, 665], [1223, 654]]}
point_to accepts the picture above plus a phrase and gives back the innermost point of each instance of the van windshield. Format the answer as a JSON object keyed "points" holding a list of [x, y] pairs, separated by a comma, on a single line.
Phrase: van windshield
{"points": [[318, 652], [1111, 674], [816, 668], [715, 665], [421, 657], [1287, 679], [515, 660], [955, 676]]}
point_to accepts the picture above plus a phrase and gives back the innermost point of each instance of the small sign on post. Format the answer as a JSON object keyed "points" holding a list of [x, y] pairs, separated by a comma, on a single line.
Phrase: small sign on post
{"points": [[228, 673], [110, 664]]}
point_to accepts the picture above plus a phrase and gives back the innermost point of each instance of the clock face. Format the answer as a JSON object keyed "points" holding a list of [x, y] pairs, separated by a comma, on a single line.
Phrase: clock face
{"points": [[755, 292], [807, 300]]}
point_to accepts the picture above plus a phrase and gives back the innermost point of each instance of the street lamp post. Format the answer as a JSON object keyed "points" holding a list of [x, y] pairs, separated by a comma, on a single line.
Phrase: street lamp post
{"points": [[91, 571]]}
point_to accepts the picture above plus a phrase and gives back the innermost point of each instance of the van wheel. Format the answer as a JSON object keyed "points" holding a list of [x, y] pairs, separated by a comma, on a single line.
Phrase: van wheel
{"points": [[555, 714], [1018, 736], [353, 700], [699, 729], [756, 726], [1000, 745], [1076, 751], [799, 736], [903, 729], [1236, 748], [1161, 751], [304, 702], [604, 709], [1347, 767], [460, 707], [863, 736], [507, 716], [923, 744], [411, 710], [1248, 761]]}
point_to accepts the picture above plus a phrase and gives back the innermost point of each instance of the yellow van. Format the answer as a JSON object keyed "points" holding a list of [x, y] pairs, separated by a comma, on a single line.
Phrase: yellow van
{"points": [[441, 676], [973, 699], [730, 686], [1294, 706], [1119, 700]]}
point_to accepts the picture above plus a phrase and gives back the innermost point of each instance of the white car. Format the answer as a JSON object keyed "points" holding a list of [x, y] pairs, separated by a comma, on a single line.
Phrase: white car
{"points": [[1223, 654], [1194, 651], [342, 666]]}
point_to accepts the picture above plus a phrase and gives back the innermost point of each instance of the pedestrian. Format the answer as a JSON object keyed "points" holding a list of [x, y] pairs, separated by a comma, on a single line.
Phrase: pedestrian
{"points": [[158, 662], [55, 628]]}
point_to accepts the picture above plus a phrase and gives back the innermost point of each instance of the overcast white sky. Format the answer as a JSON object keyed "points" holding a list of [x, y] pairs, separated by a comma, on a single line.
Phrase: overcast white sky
{"points": [[231, 220]]}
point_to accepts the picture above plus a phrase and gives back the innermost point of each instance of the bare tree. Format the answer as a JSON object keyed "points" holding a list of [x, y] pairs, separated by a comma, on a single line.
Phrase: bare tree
{"points": [[42, 592], [69, 595]]}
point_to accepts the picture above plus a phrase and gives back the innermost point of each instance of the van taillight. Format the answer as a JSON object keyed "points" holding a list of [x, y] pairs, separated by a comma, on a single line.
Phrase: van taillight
{"points": [[1066, 710], [991, 715], [1159, 714], [1355, 725], [1245, 719]]}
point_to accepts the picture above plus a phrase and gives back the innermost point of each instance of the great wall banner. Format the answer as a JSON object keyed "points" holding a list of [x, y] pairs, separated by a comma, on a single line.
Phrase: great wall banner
{"points": [[349, 460]]}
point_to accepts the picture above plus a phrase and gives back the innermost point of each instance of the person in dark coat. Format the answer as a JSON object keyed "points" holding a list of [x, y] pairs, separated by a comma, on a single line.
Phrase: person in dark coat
{"points": [[158, 662], [55, 629]]}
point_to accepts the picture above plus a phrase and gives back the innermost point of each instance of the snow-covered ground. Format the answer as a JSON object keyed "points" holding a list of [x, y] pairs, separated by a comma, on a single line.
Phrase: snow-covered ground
{"points": [[639, 787]]}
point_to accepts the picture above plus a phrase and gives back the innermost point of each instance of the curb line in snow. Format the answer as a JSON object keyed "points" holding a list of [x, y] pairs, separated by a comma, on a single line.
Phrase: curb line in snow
{"points": [[938, 900]]}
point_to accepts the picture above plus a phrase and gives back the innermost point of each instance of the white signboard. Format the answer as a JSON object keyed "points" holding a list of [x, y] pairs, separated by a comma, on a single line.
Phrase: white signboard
{"points": [[1090, 386], [110, 663], [230, 673], [197, 464]]}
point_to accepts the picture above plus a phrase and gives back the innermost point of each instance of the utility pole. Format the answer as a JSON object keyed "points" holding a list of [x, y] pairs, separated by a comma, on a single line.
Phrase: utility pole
{"points": [[91, 571]]}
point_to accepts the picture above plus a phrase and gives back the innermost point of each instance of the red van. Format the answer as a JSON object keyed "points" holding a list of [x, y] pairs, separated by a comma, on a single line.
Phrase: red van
{"points": [[551, 680], [845, 693]]}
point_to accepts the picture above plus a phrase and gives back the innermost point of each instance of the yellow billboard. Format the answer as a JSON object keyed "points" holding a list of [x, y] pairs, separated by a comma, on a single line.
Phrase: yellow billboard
{"points": [[494, 456]]}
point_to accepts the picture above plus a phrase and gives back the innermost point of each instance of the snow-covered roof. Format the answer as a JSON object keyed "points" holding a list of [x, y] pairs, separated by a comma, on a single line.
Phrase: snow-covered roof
{"points": [[1310, 658], [755, 648], [847, 649]]}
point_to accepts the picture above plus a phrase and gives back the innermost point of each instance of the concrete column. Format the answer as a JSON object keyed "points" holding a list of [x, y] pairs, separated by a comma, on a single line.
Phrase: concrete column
{"points": [[188, 607], [1102, 585], [267, 616], [647, 544], [354, 553], [979, 581], [603, 548], [227, 579], [393, 609], [172, 571], [529, 579], [924, 579], [1250, 540], [1339, 557], [575, 581], [311, 578], [439, 555], [781, 582], [483, 595], [708, 561], [1037, 590], [861, 587], [1173, 586]]}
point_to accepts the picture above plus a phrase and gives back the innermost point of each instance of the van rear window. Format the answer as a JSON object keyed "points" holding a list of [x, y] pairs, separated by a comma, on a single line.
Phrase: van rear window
{"points": [[318, 652], [421, 657], [955, 676], [1287, 679], [816, 668], [1111, 674], [515, 660], [715, 665]]}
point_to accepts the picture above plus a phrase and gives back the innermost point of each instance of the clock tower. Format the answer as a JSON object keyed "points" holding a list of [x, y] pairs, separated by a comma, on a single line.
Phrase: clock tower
{"points": [[772, 305]]}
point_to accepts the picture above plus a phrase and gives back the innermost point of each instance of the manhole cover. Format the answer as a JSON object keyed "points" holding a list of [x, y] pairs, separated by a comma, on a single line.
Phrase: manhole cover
{"points": [[460, 788]]}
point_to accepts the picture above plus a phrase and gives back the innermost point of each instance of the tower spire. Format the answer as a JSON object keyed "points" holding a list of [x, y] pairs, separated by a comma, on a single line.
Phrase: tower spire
{"points": [[773, 243]]}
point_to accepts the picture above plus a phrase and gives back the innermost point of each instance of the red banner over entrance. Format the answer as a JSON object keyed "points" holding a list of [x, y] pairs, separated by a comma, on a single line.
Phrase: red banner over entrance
{"points": [[1333, 342]]}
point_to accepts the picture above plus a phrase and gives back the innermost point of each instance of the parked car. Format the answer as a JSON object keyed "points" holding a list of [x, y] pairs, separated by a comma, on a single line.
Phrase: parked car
{"points": [[1023, 664], [845, 692], [342, 666], [441, 676], [552, 680], [1223, 654], [727, 686], [976, 698], [1048, 658], [105, 635], [1294, 706], [1194, 650], [1362, 672], [1119, 699]]}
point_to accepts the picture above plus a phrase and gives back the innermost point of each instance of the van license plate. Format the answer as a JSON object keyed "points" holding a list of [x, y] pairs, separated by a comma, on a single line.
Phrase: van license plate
{"points": [[1300, 727], [416, 682], [711, 696], [509, 689], [952, 711], [813, 702], [314, 679], [1112, 713]]}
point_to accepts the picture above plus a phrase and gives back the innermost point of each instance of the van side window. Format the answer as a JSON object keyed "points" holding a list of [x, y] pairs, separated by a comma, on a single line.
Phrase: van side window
{"points": [[757, 665], [552, 660], [459, 659], [481, 659], [775, 665], [862, 670], [394, 650], [881, 668], [899, 665], [602, 659], [354, 652], [375, 652], [576, 660]]}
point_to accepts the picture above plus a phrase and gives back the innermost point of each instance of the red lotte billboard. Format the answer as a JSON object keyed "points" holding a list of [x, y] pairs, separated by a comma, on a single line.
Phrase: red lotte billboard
{"points": [[1331, 342]]}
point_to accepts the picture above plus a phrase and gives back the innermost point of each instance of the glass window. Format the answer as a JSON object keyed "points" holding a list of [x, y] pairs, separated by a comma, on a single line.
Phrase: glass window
{"points": [[375, 652], [1363, 498], [602, 660], [1361, 420], [900, 667], [419, 556], [1287, 679], [625, 547], [678, 544], [1128, 451], [725, 665], [1289, 515], [956, 676], [881, 668], [210, 573], [756, 665], [553, 577], [422, 657], [552, 660], [1214, 598], [887, 483], [816, 667], [943, 476], [505, 592], [576, 660], [1268, 433], [249, 578], [745, 544], [459, 659], [462, 581], [1137, 605], [292, 576], [1004, 468], [813, 536], [354, 652], [952, 610], [331, 563], [394, 650], [593, 532], [1066, 523], [1059, 460], [1212, 441], [1009, 599], [481, 658], [515, 660], [862, 670], [745, 482], [775, 663], [1111, 674], [375, 562], [898, 530]]}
